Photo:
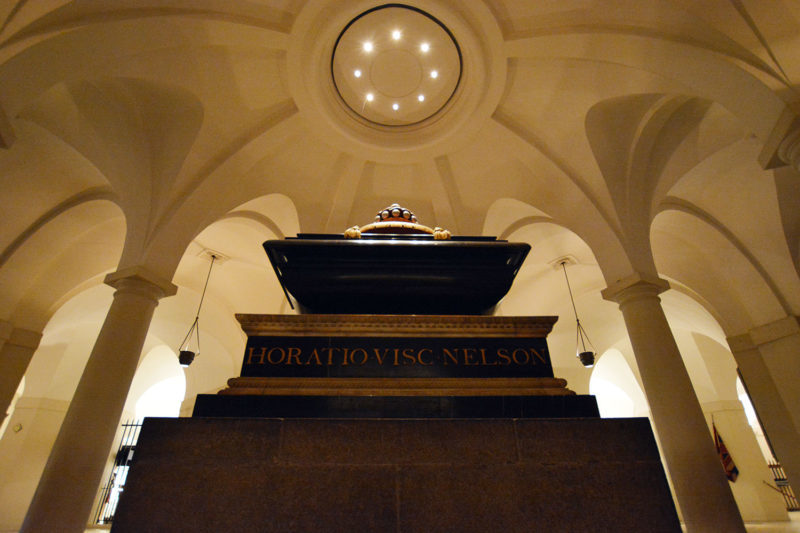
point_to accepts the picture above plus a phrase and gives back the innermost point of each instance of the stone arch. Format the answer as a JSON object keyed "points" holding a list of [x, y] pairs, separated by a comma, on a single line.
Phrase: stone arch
{"points": [[67, 249], [616, 387], [540, 289], [705, 262]]}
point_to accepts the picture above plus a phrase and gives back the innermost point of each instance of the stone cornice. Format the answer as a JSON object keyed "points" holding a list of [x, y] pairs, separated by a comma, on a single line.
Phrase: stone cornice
{"points": [[397, 325]]}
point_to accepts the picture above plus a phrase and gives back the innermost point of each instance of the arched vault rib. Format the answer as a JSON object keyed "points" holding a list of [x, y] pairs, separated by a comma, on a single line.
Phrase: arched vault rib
{"points": [[533, 142], [729, 48], [570, 205], [222, 180], [68, 18], [648, 130], [678, 204], [347, 173], [703, 72], [256, 217], [79, 58], [232, 160], [447, 202], [94, 193], [740, 7], [521, 223]]}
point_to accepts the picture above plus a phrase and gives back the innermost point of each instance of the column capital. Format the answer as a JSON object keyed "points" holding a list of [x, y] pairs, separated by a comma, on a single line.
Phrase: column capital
{"points": [[764, 334], [773, 331], [789, 149], [25, 337], [634, 286], [722, 405], [782, 146], [18, 336], [740, 343], [140, 279]]}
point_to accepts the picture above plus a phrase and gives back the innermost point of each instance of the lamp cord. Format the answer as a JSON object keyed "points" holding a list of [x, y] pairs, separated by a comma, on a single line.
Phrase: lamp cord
{"points": [[580, 332], [196, 324]]}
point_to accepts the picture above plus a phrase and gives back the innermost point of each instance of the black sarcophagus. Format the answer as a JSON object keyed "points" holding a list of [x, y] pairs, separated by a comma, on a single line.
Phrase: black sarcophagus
{"points": [[396, 273]]}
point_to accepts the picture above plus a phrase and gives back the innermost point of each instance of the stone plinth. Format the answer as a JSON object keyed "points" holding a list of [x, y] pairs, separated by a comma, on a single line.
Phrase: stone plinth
{"points": [[502, 475]]}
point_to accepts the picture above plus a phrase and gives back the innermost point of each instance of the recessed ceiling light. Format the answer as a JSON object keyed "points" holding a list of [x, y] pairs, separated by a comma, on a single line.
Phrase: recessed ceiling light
{"points": [[384, 60]]}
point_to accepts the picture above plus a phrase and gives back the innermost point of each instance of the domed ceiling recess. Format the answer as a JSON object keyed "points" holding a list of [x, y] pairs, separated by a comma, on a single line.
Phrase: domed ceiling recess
{"points": [[396, 65]]}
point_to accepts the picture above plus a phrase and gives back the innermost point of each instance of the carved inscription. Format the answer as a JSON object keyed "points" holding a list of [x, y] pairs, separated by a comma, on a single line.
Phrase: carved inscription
{"points": [[402, 357]]}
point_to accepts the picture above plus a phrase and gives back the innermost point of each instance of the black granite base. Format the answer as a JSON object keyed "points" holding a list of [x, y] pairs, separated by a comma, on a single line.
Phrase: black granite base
{"points": [[426, 476], [573, 406]]}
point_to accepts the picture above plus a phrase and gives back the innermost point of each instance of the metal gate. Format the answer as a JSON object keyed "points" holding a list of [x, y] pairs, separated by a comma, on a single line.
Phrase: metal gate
{"points": [[109, 493]]}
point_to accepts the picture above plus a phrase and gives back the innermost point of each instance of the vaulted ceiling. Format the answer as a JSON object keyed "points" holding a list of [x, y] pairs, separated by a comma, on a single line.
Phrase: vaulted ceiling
{"points": [[623, 134]]}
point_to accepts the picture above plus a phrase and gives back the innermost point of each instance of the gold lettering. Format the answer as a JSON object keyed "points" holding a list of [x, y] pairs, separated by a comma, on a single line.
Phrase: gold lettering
{"points": [[396, 353], [330, 355], [408, 356], [502, 353], [251, 354], [314, 355], [468, 354], [380, 356], [539, 356], [362, 352], [483, 358], [525, 352], [344, 357], [293, 353], [449, 355], [419, 357], [273, 350]]}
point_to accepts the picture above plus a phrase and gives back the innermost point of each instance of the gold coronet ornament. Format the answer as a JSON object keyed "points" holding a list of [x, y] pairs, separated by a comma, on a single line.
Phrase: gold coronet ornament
{"points": [[396, 219]]}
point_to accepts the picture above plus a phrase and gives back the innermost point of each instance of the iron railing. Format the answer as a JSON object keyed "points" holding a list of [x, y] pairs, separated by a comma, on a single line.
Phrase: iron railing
{"points": [[109, 493], [783, 486]]}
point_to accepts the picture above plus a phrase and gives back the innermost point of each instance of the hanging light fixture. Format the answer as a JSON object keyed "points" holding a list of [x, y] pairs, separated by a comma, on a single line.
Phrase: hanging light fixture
{"points": [[581, 338], [185, 355]]}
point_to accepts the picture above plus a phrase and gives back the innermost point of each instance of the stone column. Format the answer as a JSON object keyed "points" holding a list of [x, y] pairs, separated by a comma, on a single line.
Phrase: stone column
{"points": [[65, 493], [701, 487], [768, 362], [16, 350], [757, 501], [31, 431]]}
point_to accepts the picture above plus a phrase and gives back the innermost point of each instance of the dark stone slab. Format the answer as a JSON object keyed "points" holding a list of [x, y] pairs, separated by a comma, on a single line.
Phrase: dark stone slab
{"points": [[225, 497], [395, 274], [404, 441], [624, 439], [479, 476], [573, 406], [573, 497]]}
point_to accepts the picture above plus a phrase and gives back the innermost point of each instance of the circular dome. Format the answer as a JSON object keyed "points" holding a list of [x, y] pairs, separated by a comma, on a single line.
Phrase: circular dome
{"points": [[395, 65]]}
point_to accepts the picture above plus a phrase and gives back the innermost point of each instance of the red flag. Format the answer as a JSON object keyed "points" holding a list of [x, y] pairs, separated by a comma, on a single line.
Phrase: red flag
{"points": [[727, 461]]}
